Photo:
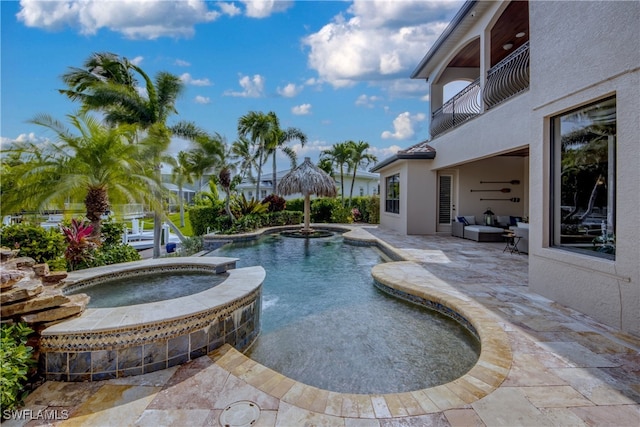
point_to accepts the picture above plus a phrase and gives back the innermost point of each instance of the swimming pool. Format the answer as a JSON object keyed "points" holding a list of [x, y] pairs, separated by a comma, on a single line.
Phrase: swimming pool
{"points": [[325, 324]]}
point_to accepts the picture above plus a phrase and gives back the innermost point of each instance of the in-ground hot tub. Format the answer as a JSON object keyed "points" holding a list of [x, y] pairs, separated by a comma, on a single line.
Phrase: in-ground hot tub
{"points": [[114, 342]]}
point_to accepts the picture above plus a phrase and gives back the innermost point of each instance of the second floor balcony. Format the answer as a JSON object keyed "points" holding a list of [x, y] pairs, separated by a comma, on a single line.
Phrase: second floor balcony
{"points": [[504, 80]]}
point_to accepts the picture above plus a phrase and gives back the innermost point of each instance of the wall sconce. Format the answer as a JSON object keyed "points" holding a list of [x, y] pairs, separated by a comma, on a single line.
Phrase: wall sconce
{"points": [[507, 45]]}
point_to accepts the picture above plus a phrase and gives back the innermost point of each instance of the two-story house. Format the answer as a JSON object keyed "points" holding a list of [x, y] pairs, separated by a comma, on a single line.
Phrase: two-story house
{"points": [[547, 129]]}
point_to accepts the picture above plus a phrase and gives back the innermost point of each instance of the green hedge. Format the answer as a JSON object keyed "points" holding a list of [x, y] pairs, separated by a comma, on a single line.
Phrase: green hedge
{"points": [[331, 210], [252, 222], [203, 217]]}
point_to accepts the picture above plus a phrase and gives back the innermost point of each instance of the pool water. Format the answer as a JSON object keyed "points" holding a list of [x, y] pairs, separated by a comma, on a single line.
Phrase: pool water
{"points": [[147, 288], [325, 324]]}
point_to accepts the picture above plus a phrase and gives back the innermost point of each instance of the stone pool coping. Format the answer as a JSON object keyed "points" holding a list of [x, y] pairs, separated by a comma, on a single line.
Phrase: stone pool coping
{"points": [[106, 343], [411, 281]]}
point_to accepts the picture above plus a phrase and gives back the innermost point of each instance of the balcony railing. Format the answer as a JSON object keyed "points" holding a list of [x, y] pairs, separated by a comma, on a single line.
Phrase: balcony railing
{"points": [[508, 77], [457, 110]]}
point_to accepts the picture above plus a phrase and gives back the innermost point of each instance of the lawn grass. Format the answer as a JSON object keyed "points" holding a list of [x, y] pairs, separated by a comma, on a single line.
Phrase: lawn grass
{"points": [[186, 230]]}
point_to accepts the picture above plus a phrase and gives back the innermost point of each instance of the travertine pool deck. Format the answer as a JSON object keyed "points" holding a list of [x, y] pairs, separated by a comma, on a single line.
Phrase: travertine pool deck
{"points": [[565, 369]]}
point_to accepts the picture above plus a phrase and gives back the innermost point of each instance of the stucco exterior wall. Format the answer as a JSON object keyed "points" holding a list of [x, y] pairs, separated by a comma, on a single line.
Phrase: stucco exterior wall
{"points": [[422, 202], [392, 221], [504, 128], [492, 169], [604, 62]]}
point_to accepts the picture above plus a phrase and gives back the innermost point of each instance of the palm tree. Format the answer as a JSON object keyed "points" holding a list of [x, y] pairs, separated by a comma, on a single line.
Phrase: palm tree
{"points": [[359, 158], [181, 174], [225, 166], [257, 126], [206, 154], [241, 149], [114, 93], [278, 140], [339, 155], [97, 163]]}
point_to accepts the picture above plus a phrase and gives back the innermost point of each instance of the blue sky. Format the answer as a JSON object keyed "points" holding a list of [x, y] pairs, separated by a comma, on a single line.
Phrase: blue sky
{"points": [[337, 70]]}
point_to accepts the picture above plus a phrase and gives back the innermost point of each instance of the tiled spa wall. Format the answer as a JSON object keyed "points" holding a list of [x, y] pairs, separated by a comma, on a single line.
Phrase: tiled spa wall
{"points": [[150, 348]]}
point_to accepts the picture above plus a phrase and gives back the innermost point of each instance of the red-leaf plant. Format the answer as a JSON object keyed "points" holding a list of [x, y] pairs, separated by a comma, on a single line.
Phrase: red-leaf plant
{"points": [[80, 245]]}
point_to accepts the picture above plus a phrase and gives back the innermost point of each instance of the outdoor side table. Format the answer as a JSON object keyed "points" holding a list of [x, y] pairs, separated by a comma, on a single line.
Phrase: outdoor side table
{"points": [[512, 243]]}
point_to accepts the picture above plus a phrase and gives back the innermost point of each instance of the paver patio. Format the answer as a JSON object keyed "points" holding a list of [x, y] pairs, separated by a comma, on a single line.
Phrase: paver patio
{"points": [[567, 369]]}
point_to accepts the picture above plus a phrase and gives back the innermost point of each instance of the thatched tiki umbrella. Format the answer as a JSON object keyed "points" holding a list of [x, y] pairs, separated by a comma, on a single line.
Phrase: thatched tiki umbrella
{"points": [[307, 179]]}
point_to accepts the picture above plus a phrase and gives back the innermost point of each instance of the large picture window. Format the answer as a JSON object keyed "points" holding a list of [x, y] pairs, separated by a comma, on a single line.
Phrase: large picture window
{"points": [[392, 201], [584, 179]]}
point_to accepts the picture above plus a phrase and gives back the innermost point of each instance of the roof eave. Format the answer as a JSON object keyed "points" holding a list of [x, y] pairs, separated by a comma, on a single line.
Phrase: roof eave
{"points": [[462, 13], [403, 156]]}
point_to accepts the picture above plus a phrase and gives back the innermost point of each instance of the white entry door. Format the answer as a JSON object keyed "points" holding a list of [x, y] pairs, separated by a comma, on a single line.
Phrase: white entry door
{"points": [[446, 201]]}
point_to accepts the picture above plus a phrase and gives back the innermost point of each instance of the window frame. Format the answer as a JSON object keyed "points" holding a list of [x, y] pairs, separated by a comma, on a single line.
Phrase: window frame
{"points": [[392, 194], [556, 187]]}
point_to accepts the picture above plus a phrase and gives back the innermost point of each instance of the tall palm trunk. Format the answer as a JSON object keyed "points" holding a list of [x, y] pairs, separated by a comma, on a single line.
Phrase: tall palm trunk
{"points": [[96, 203], [157, 218], [259, 175], [181, 201], [275, 187]]}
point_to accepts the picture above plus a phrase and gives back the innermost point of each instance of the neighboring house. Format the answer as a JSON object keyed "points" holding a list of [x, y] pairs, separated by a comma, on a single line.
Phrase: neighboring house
{"points": [[366, 184], [548, 128]]}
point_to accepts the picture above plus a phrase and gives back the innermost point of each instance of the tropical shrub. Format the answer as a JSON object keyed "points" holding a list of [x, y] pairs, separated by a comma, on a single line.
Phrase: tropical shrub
{"points": [[342, 215], [111, 254], [275, 202], [374, 210], [192, 245], [34, 241], [80, 246], [111, 232], [240, 206], [16, 358]]}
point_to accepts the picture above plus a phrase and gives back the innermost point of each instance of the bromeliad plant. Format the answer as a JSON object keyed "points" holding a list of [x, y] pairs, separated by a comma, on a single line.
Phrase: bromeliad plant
{"points": [[80, 244]]}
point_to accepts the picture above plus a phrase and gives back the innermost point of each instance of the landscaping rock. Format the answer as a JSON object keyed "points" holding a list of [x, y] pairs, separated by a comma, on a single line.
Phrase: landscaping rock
{"points": [[47, 299], [26, 288], [41, 269], [76, 305], [8, 278]]}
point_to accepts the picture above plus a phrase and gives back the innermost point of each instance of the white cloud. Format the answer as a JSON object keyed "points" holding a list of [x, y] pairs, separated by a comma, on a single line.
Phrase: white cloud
{"points": [[367, 101], [202, 99], [24, 138], [376, 39], [182, 63], [137, 60], [253, 87], [404, 126], [229, 9], [188, 80], [311, 149], [134, 19], [301, 110], [290, 90], [264, 8], [383, 153]]}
